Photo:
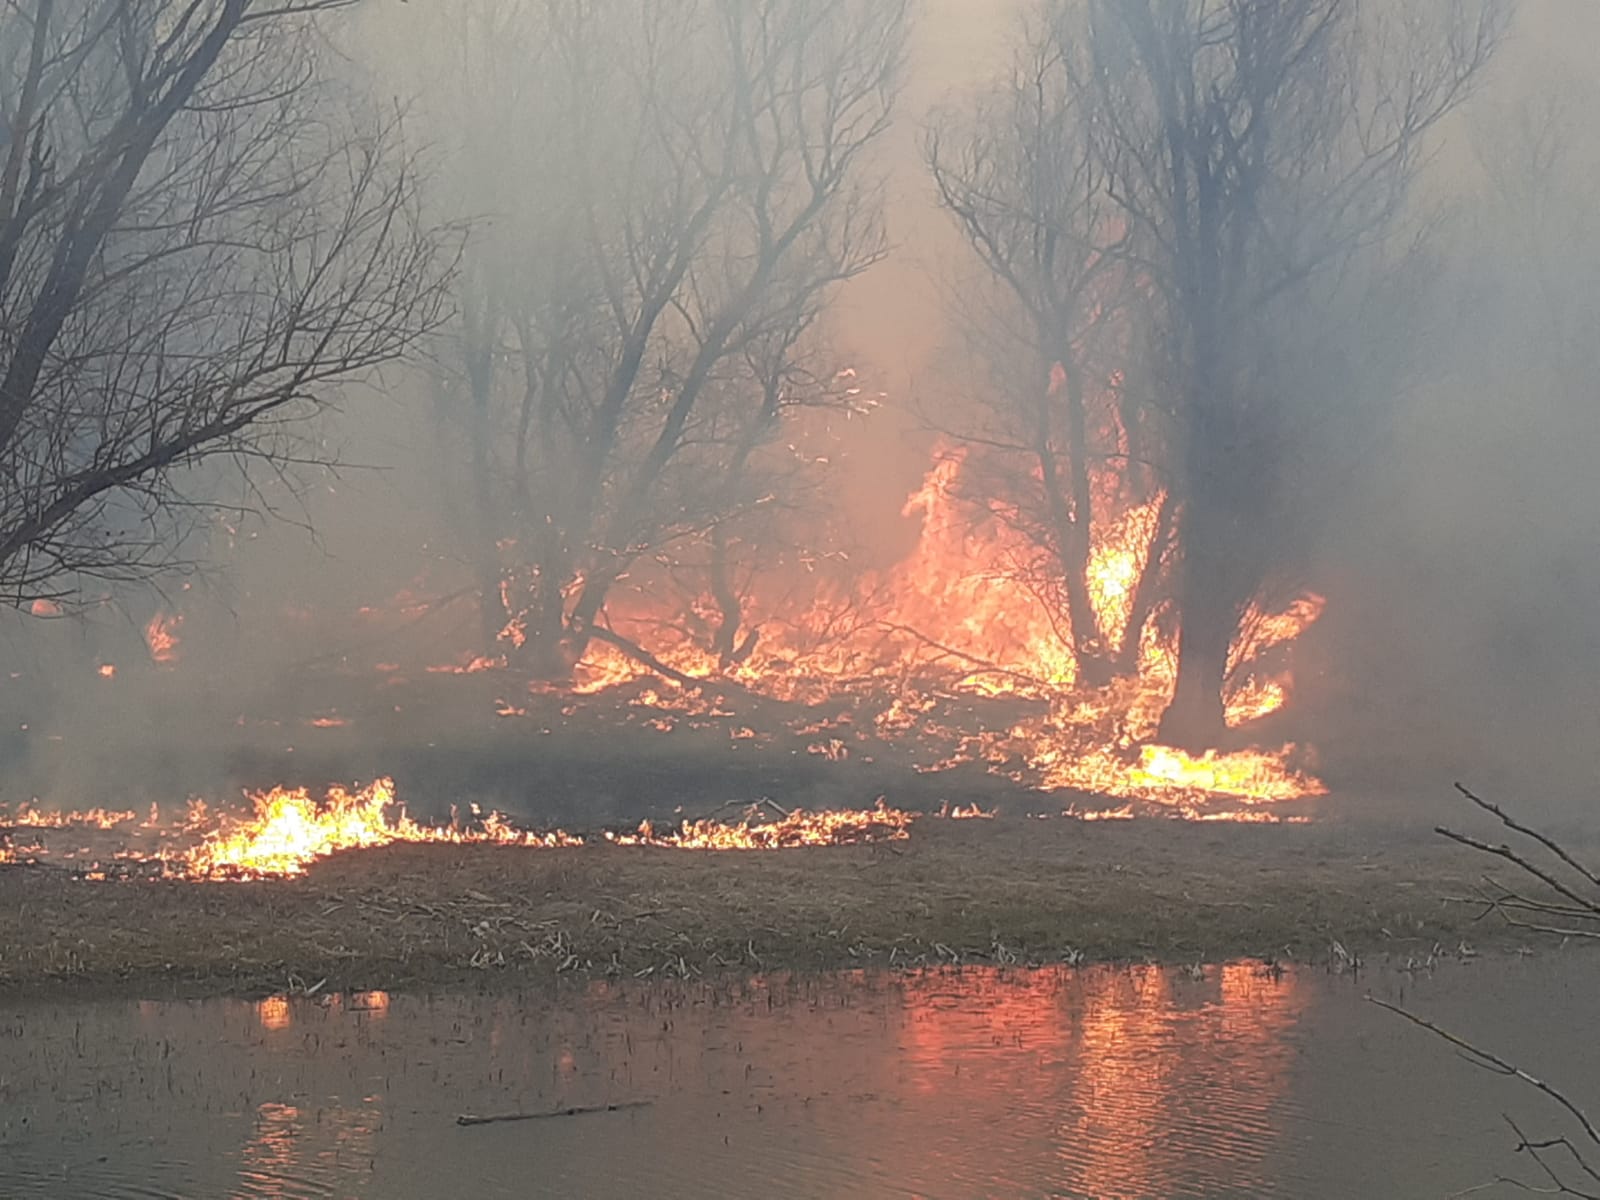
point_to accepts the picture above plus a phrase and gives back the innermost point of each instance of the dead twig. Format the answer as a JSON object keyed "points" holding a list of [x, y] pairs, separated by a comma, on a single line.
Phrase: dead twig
{"points": [[1493, 1062], [1544, 840]]}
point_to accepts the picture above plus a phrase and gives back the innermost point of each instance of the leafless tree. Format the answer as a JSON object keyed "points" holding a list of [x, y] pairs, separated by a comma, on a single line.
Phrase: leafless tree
{"points": [[198, 242], [1234, 166], [642, 326], [1256, 148], [1020, 177]]}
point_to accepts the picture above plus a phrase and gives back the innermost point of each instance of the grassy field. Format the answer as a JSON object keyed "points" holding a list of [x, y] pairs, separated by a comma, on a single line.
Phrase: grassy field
{"points": [[980, 891]]}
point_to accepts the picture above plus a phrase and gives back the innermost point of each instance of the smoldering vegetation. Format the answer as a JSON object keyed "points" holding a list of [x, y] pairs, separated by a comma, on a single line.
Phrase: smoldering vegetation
{"points": [[717, 314]]}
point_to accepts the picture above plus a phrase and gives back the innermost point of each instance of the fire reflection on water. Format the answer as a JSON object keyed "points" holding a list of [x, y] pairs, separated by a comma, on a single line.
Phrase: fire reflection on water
{"points": [[1124, 1074], [976, 1082]]}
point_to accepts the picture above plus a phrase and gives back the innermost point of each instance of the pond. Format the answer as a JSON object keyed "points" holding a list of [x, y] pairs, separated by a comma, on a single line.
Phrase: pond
{"points": [[1089, 1082]]}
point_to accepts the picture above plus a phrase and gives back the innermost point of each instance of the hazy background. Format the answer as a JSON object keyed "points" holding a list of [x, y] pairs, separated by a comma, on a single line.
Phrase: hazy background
{"points": [[1462, 564]]}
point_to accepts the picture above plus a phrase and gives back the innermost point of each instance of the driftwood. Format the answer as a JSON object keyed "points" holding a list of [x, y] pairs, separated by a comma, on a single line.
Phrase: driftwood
{"points": [[579, 1111]]}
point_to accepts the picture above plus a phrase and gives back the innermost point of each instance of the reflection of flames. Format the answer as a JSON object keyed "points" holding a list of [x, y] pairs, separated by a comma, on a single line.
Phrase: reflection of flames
{"points": [[273, 1013], [161, 635]]}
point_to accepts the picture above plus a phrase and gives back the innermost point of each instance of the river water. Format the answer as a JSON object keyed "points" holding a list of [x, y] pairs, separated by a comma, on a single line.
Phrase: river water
{"points": [[1095, 1082]]}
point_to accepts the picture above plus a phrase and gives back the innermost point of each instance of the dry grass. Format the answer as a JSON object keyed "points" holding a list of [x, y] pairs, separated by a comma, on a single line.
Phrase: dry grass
{"points": [[1007, 890]]}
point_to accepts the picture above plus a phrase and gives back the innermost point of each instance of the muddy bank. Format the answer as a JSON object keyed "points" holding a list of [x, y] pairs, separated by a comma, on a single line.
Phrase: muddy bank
{"points": [[1004, 890]]}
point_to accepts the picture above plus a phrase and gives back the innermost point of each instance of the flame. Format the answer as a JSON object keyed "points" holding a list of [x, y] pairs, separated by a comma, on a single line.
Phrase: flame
{"points": [[288, 830], [830, 827], [94, 818], [962, 614], [107, 670], [161, 635]]}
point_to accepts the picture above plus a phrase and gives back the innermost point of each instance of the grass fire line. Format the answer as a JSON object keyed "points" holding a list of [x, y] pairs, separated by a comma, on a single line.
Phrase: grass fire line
{"points": [[287, 830]]}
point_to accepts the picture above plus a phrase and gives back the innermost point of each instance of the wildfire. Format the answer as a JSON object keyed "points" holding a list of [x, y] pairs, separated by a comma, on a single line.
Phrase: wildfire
{"points": [[962, 615], [288, 830], [830, 827], [94, 818]]}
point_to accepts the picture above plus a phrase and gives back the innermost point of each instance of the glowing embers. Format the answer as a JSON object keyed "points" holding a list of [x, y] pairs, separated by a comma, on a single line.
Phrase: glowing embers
{"points": [[161, 636]]}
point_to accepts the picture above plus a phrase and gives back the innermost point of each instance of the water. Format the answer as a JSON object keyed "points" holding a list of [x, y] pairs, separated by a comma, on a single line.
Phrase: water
{"points": [[1091, 1083]]}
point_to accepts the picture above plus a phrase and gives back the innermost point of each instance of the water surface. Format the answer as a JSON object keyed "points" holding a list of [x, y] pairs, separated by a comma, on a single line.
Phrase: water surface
{"points": [[1100, 1082]]}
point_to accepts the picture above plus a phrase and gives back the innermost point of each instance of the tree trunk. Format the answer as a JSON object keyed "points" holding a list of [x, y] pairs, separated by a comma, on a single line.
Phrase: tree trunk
{"points": [[1194, 720], [1209, 617], [1074, 528], [492, 613], [727, 598]]}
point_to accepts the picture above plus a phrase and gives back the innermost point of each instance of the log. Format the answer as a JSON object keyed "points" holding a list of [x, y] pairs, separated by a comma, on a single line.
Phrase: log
{"points": [[580, 1111]]}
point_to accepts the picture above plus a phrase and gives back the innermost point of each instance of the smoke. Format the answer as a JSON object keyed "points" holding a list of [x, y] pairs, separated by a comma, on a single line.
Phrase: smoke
{"points": [[1456, 534]]}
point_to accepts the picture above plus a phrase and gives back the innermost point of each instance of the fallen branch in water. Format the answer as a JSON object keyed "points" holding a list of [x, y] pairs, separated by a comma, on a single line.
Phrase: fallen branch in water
{"points": [[579, 1111]]}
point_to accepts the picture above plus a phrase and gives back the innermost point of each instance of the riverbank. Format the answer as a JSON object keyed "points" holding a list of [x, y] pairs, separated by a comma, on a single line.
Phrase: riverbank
{"points": [[409, 917]]}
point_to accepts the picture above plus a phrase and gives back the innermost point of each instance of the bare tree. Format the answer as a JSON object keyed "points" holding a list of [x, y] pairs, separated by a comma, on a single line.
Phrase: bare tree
{"points": [[197, 245], [1020, 177], [1256, 150], [1205, 180], [640, 333]]}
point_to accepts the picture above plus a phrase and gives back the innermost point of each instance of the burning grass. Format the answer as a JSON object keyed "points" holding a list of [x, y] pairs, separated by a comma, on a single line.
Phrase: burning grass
{"points": [[1004, 889]]}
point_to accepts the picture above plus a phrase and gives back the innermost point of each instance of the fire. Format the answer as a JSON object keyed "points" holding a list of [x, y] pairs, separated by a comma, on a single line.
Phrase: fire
{"points": [[94, 818], [288, 830], [106, 670], [830, 827], [161, 635], [962, 615]]}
